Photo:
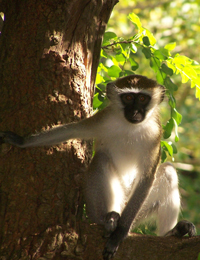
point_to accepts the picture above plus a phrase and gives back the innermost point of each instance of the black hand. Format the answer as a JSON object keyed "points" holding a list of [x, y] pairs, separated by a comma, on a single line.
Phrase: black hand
{"points": [[11, 138], [182, 228], [113, 242]]}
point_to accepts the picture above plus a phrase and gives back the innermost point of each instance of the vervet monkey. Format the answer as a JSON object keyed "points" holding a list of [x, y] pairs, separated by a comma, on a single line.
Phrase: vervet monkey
{"points": [[125, 184]]}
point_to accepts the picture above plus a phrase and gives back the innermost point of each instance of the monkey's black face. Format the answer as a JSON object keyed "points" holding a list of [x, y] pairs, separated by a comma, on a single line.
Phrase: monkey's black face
{"points": [[135, 105]]}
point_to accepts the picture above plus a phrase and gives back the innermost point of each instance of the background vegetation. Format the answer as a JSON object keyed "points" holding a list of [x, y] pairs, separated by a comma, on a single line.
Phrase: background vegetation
{"points": [[161, 40]]}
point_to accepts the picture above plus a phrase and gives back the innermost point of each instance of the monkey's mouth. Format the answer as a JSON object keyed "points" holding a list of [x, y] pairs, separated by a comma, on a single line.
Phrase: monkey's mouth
{"points": [[134, 117], [137, 116]]}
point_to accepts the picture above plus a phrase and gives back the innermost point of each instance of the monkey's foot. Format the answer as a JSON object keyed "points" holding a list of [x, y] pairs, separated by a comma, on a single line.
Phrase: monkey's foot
{"points": [[111, 221], [182, 228]]}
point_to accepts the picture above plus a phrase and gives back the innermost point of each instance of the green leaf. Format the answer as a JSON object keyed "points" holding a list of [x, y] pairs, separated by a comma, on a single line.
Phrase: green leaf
{"points": [[168, 129], [170, 85], [108, 36], [172, 101], [135, 20], [96, 101], [197, 94], [163, 155], [146, 41], [147, 52], [176, 116], [101, 87], [125, 49], [181, 60], [160, 77], [134, 64], [166, 69], [168, 147], [170, 46], [190, 72], [161, 54], [133, 47], [175, 151], [184, 76], [151, 38], [104, 53], [124, 73], [114, 71], [99, 79], [120, 58], [155, 64], [176, 130]]}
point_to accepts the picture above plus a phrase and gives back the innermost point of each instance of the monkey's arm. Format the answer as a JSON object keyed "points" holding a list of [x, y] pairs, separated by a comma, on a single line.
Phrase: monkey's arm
{"points": [[85, 129]]}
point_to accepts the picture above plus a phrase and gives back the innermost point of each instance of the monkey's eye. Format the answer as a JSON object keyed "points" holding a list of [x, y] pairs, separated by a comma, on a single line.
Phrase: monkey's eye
{"points": [[142, 98], [127, 98]]}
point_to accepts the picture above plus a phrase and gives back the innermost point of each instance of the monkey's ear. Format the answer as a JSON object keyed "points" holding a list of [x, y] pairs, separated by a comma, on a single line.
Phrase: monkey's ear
{"points": [[162, 92], [110, 89]]}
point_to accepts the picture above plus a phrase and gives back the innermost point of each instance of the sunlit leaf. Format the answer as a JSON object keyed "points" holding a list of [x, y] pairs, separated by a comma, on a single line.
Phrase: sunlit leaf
{"points": [[197, 94], [170, 46], [96, 101], [120, 58], [168, 147], [190, 72], [181, 59], [171, 65], [176, 130], [133, 48], [99, 78], [135, 20], [184, 77], [114, 71], [150, 36], [125, 49], [176, 116]]}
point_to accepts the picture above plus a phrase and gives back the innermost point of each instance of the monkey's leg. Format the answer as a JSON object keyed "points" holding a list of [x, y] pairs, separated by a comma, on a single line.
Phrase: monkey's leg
{"points": [[103, 193], [169, 205], [164, 202], [166, 187]]}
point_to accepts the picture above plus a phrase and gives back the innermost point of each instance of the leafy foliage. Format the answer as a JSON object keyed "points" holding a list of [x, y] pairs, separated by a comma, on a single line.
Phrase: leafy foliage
{"points": [[119, 58]]}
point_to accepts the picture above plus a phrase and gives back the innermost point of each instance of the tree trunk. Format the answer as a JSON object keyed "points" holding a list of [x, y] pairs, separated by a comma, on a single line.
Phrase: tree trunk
{"points": [[48, 61]]}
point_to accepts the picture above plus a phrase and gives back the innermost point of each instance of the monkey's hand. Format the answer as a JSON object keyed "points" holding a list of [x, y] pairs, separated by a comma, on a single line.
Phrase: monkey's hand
{"points": [[111, 222], [182, 228], [11, 138], [113, 242]]}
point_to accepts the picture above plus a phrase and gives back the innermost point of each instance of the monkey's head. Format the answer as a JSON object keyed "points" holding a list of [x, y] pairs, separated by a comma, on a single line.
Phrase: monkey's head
{"points": [[136, 95]]}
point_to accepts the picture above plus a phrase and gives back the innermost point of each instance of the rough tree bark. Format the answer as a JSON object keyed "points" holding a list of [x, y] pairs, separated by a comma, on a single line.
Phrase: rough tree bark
{"points": [[48, 60], [49, 52]]}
